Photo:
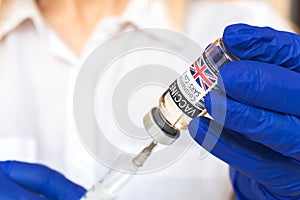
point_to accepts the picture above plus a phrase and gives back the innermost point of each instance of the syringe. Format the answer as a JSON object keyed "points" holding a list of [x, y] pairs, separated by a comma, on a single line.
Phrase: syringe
{"points": [[111, 183]]}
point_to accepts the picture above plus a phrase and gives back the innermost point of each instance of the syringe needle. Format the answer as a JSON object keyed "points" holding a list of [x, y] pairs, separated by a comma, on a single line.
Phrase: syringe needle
{"points": [[140, 159]]}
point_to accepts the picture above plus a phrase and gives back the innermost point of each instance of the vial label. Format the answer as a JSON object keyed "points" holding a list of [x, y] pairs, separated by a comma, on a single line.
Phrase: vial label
{"points": [[190, 88]]}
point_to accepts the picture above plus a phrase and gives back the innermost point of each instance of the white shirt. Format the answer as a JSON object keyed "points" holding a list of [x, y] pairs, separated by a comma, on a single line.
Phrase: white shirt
{"points": [[37, 76]]}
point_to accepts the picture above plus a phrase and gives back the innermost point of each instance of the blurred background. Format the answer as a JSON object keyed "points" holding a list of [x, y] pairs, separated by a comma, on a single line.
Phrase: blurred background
{"points": [[290, 10]]}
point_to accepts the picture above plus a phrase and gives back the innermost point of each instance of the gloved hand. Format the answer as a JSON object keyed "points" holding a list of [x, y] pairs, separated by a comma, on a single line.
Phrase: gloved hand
{"points": [[260, 139], [26, 181]]}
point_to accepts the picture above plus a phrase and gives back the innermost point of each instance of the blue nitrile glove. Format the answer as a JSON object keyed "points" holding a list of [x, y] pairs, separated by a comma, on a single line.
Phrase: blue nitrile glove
{"points": [[26, 181], [261, 135]]}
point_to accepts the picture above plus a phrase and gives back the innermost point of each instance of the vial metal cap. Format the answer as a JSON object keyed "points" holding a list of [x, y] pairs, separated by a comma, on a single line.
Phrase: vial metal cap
{"points": [[216, 55], [158, 128]]}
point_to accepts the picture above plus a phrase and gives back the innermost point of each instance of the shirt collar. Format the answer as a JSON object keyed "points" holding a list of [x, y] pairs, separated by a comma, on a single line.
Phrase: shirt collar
{"points": [[14, 12]]}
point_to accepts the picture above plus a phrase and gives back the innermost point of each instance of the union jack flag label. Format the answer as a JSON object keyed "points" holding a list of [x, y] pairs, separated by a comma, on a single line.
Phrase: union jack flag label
{"points": [[190, 88], [202, 74]]}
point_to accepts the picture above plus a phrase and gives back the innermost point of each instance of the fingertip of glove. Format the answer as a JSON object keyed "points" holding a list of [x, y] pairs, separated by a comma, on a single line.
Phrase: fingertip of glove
{"points": [[243, 41], [236, 36], [207, 102], [233, 31], [215, 103], [198, 128], [212, 98]]}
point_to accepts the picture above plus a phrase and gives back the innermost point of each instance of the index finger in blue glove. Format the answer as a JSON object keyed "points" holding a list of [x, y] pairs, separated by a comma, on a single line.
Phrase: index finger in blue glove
{"points": [[41, 179], [263, 44], [11, 190], [263, 85], [277, 131]]}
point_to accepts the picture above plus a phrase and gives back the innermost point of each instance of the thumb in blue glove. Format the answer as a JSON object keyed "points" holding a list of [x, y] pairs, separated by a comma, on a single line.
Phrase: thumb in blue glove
{"points": [[19, 180]]}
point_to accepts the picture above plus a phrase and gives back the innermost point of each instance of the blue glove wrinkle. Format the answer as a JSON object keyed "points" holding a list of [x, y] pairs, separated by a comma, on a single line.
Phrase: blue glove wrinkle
{"points": [[262, 85], [263, 44]]}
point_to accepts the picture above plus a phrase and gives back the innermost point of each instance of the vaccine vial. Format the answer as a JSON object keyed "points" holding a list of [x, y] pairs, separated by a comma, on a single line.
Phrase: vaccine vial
{"points": [[184, 99]]}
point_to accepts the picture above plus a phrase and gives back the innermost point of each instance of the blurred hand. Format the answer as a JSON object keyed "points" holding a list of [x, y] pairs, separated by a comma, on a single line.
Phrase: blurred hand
{"points": [[24, 181], [260, 139]]}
